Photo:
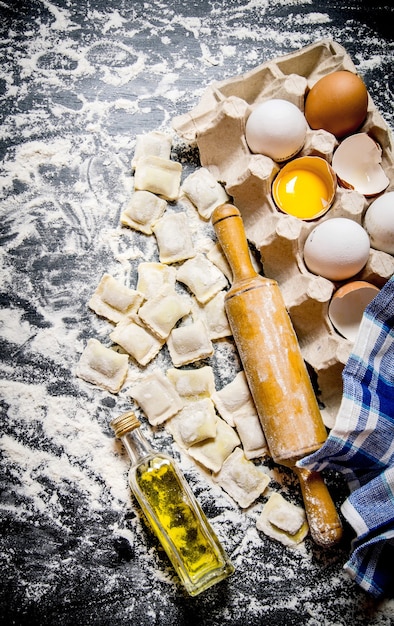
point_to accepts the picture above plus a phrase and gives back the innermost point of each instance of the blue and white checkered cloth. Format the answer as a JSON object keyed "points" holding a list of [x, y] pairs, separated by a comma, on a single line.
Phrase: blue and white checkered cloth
{"points": [[361, 446]]}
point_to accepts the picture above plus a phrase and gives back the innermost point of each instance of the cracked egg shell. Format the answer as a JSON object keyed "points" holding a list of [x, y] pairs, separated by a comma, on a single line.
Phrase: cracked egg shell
{"points": [[305, 187], [356, 163], [347, 307], [337, 103]]}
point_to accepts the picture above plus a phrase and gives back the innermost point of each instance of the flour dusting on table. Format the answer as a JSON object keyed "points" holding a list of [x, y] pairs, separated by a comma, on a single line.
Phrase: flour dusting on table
{"points": [[78, 82]]}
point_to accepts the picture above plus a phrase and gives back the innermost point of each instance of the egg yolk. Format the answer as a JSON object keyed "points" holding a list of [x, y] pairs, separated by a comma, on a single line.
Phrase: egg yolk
{"points": [[302, 193]]}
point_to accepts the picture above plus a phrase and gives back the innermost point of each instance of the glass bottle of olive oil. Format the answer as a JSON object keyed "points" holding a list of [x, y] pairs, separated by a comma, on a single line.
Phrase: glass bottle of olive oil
{"points": [[172, 511]]}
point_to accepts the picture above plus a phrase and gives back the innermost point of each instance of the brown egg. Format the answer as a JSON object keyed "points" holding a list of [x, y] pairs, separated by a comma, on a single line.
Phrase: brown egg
{"points": [[337, 103]]}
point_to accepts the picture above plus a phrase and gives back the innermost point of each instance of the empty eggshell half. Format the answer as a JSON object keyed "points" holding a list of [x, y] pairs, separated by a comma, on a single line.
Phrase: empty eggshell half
{"points": [[357, 161], [348, 305]]}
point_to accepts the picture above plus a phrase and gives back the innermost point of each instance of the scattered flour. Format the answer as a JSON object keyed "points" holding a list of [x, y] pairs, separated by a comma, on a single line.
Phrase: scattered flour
{"points": [[72, 105]]}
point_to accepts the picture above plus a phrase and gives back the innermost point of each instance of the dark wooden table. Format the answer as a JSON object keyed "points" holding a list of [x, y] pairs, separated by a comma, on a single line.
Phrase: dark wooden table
{"points": [[79, 81]]}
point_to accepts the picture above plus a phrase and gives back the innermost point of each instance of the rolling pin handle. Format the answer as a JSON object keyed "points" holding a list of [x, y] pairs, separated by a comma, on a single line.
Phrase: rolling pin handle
{"points": [[323, 519], [229, 228]]}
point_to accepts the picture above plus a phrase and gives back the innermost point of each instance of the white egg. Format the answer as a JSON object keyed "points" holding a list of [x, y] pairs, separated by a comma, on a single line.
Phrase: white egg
{"points": [[379, 223], [276, 128], [337, 249]]}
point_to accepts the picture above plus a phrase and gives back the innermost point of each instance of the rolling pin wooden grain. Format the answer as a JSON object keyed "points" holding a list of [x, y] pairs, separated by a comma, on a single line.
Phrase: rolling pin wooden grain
{"points": [[276, 372]]}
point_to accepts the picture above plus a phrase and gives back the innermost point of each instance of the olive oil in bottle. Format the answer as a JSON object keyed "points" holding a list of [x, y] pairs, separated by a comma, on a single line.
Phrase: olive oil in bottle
{"points": [[172, 511]]}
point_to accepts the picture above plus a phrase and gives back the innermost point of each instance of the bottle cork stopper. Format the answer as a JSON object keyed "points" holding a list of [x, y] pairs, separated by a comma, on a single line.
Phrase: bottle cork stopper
{"points": [[124, 423]]}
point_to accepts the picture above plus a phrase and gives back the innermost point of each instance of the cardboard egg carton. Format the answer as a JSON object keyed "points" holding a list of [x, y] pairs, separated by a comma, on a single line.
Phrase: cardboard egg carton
{"points": [[217, 127]]}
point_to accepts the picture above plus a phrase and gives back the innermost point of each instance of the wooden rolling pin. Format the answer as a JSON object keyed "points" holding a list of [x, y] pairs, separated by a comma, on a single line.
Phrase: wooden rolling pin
{"points": [[276, 372]]}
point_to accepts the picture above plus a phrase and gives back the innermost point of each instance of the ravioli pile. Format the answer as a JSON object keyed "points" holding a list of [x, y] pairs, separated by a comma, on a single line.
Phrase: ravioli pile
{"points": [[219, 429]]}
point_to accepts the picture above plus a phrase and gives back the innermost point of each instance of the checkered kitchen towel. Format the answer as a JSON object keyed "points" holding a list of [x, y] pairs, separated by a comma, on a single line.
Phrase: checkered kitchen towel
{"points": [[361, 446]]}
